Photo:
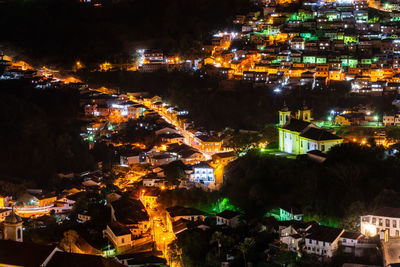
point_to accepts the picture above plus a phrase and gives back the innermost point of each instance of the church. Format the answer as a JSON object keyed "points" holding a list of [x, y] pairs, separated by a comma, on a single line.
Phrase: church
{"points": [[12, 228], [299, 136]]}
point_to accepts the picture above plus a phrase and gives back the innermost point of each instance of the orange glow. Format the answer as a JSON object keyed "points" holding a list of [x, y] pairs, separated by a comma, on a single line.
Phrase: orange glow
{"points": [[106, 66], [71, 79], [21, 65]]}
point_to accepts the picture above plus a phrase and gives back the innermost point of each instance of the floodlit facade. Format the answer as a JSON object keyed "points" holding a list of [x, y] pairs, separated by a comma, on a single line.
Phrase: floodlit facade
{"points": [[299, 135]]}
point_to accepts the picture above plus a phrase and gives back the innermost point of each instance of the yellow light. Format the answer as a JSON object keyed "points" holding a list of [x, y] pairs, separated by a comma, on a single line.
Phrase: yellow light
{"points": [[143, 191], [370, 229], [162, 187]]}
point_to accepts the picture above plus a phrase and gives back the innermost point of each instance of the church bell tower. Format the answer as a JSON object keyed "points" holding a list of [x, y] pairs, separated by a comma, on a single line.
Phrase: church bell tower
{"points": [[13, 227], [304, 113], [284, 115]]}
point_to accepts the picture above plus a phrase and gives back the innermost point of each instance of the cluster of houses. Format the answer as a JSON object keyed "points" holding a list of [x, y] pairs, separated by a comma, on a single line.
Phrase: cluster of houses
{"points": [[323, 42], [201, 152], [155, 60], [41, 78]]}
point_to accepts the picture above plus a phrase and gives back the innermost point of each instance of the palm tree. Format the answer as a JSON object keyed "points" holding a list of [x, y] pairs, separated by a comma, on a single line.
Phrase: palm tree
{"points": [[245, 246]]}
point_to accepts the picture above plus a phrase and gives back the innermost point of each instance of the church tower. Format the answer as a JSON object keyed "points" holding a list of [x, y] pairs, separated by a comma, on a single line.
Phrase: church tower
{"points": [[304, 113], [13, 227], [284, 115]]}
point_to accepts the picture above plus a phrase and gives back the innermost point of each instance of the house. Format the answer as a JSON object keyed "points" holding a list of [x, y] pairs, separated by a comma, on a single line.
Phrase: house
{"points": [[229, 218], [286, 214], [292, 232], [65, 203], [191, 156], [130, 213], [158, 159], [84, 216], [132, 157], [203, 174], [323, 240], [119, 235], [224, 158], [178, 212], [299, 135], [349, 240], [171, 138], [37, 199], [211, 144], [179, 226], [150, 197], [386, 220]]}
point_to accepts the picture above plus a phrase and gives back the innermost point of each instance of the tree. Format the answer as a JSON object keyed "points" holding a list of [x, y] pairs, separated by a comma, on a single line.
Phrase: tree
{"points": [[245, 247], [174, 253], [350, 221]]}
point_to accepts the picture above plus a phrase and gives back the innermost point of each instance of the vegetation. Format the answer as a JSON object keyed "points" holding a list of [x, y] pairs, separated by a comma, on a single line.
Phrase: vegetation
{"points": [[353, 179], [40, 135]]}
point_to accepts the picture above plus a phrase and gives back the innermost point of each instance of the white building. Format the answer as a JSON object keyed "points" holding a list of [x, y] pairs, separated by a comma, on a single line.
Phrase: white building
{"points": [[203, 174], [229, 218], [385, 219], [323, 240], [350, 240], [292, 232], [120, 236]]}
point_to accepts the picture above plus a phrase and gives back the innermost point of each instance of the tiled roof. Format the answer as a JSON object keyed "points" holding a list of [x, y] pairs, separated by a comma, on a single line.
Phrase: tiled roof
{"points": [[228, 214], [319, 134], [350, 235], [296, 125], [324, 233], [386, 212]]}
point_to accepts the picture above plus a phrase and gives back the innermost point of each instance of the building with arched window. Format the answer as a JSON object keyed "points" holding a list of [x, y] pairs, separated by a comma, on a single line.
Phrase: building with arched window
{"points": [[299, 136]]}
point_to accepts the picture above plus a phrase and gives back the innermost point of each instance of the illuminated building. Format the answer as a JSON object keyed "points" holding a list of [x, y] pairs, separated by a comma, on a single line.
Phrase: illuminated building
{"points": [[177, 213], [12, 227], [323, 240], [203, 174], [298, 135], [209, 144], [382, 221]]}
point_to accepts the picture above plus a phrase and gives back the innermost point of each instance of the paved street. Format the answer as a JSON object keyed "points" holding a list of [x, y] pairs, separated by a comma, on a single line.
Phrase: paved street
{"points": [[391, 251]]}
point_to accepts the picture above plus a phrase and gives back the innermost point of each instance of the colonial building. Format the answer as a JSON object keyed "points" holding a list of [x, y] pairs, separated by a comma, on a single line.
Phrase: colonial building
{"points": [[298, 135], [323, 240], [384, 221], [12, 227]]}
